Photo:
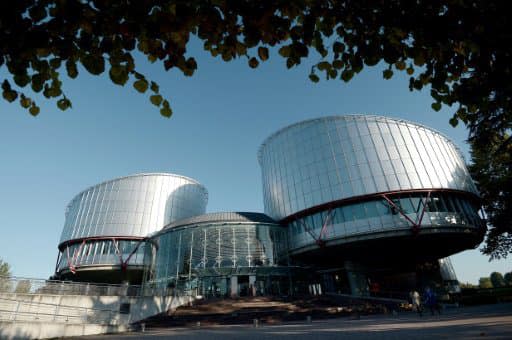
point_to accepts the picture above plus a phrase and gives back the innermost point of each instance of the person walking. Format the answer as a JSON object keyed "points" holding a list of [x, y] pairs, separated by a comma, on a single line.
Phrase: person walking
{"points": [[431, 301], [416, 302]]}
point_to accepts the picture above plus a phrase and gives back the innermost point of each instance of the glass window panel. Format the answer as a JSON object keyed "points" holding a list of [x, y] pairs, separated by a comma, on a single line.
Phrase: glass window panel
{"points": [[369, 185], [383, 208], [407, 205], [387, 167], [338, 215], [439, 203], [449, 203], [358, 187], [347, 213], [393, 152], [432, 204], [358, 211], [371, 209], [470, 213]]}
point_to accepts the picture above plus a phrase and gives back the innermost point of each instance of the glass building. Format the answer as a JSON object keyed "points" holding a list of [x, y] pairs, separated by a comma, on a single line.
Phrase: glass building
{"points": [[362, 192], [221, 254], [353, 204], [106, 225]]}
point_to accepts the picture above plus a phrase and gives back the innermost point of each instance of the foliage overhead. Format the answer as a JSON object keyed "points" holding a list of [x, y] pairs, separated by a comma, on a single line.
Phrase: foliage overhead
{"points": [[492, 170], [460, 49]]}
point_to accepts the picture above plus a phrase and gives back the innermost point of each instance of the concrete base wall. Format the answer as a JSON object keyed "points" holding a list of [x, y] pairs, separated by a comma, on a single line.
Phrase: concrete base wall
{"points": [[46, 316], [41, 330]]}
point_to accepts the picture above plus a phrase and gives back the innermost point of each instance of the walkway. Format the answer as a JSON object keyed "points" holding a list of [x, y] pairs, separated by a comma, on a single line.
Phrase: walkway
{"points": [[488, 322]]}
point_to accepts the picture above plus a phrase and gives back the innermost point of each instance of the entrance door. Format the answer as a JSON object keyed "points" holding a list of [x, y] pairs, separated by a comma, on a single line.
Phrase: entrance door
{"points": [[243, 285]]}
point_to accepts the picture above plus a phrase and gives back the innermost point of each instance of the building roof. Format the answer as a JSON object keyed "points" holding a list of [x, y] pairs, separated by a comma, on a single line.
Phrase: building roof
{"points": [[140, 175], [348, 117], [221, 217]]}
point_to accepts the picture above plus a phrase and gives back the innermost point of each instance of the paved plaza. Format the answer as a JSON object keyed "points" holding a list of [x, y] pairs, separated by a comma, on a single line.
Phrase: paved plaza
{"points": [[482, 322]]}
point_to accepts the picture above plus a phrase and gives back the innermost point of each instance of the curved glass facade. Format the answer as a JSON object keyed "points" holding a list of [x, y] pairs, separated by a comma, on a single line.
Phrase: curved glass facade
{"points": [[217, 245], [375, 216], [133, 206], [101, 252], [105, 224], [333, 158], [342, 179]]}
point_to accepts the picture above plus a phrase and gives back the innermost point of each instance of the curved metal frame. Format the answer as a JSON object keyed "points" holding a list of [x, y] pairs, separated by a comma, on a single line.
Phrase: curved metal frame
{"points": [[330, 206], [115, 240]]}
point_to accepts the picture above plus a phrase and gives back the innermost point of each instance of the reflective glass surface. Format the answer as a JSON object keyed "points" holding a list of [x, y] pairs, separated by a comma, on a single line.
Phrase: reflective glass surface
{"points": [[101, 252], [446, 269], [185, 252], [133, 206], [332, 158], [377, 215]]}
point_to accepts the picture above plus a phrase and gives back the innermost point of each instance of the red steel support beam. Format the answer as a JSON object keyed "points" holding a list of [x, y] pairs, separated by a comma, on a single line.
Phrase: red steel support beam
{"points": [[71, 264], [115, 240], [318, 239], [327, 222], [134, 250], [415, 225]]}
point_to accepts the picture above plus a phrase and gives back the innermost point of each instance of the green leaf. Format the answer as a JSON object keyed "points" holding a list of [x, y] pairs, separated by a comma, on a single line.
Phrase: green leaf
{"points": [[63, 104], [21, 79], [454, 121], [34, 110], [71, 69], [314, 78], [25, 102], [10, 95], [419, 60], [338, 47], [154, 87], [437, 106], [263, 53], [387, 74], [410, 70], [400, 65], [285, 51], [118, 74], [94, 63], [138, 75], [338, 64], [166, 112], [141, 85], [156, 99], [324, 65], [37, 82], [253, 62], [347, 75], [55, 63]]}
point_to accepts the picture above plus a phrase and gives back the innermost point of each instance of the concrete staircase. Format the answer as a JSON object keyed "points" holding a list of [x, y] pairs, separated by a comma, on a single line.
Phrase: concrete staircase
{"points": [[264, 309]]}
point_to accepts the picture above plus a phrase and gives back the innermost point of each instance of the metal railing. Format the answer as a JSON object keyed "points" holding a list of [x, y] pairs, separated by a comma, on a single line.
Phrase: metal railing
{"points": [[19, 310], [21, 285], [21, 300]]}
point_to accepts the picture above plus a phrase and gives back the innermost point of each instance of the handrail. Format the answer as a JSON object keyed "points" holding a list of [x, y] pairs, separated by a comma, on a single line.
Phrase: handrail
{"points": [[83, 314], [59, 305], [42, 286]]}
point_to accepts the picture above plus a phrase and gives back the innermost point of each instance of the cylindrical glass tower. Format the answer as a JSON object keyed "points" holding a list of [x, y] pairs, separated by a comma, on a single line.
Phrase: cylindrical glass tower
{"points": [[219, 254], [341, 180], [106, 225]]}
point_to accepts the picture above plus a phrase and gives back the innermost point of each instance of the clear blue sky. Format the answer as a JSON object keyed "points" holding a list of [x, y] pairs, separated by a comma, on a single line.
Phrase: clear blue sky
{"points": [[221, 115]]}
